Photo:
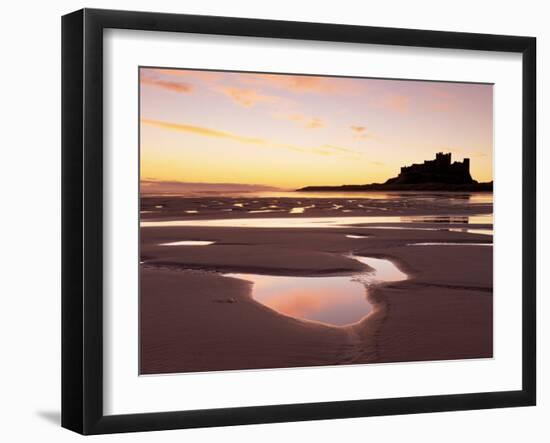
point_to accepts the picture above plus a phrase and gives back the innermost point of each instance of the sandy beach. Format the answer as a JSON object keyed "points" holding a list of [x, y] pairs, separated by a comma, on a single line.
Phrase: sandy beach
{"points": [[197, 316]]}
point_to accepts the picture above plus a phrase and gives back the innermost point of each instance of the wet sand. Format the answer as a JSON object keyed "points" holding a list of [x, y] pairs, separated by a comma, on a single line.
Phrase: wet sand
{"points": [[194, 318]]}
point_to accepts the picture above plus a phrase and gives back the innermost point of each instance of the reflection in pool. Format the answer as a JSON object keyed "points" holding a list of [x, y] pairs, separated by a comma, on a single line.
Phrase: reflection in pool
{"points": [[188, 243], [310, 222], [415, 228], [454, 219], [472, 230], [449, 244], [297, 210], [335, 300], [385, 271]]}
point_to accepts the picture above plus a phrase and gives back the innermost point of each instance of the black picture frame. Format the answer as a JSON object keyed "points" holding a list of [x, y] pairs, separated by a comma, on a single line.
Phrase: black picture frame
{"points": [[82, 218]]}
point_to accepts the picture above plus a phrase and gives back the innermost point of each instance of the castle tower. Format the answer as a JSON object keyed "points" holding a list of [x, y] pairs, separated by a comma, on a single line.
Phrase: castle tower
{"points": [[443, 160]]}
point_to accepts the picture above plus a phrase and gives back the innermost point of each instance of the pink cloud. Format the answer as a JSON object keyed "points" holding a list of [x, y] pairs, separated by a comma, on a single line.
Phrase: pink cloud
{"points": [[300, 83], [289, 83], [212, 76], [360, 132], [180, 87], [246, 97], [396, 103]]}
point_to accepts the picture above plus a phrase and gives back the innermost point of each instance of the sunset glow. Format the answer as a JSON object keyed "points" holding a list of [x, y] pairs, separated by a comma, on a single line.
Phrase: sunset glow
{"points": [[289, 131]]}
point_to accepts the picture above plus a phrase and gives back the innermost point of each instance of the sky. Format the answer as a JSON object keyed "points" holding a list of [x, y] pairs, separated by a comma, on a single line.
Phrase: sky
{"points": [[289, 131]]}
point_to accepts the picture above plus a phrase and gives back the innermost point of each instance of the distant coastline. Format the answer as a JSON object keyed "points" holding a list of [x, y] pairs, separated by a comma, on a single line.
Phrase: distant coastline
{"points": [[449, 187]]}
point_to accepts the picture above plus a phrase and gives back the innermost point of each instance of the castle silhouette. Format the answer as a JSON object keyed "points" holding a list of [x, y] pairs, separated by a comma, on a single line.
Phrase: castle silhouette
{"points": [[439, 170], [439, 174]]}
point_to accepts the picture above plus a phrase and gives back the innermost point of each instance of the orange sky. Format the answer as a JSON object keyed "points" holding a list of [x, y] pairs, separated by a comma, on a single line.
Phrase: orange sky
{"points": [[290, 131]]}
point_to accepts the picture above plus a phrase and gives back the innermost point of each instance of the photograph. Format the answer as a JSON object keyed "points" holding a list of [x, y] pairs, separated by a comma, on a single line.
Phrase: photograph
{"points": [[294, 220]]}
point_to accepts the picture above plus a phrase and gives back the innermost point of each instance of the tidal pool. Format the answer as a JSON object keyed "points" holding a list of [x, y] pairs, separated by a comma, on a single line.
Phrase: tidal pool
{"points": [[334, 300]]}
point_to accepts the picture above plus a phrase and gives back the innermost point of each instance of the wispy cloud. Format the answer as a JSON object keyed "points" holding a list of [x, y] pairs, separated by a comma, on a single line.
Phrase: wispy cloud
{"points": [[292, 83], [200, 75], [339, 149], [174, 86], [303, 120], [360, 132], [209, 132], [246, 97], [199, 130], [300, 83], [331, 150]]}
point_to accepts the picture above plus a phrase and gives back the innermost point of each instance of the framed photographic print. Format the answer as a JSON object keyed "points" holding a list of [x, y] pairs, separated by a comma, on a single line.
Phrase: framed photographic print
{"points": [[269, 221]]}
